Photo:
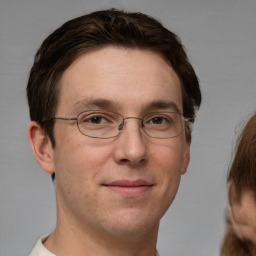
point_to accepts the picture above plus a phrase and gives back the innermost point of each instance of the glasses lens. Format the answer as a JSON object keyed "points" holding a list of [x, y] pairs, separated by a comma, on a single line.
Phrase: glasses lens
{"points": [[163, 124], [99, 124]]}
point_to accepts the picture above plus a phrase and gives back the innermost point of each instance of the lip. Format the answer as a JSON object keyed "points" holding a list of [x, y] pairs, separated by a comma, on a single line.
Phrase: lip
{"points": [[129, 188]]}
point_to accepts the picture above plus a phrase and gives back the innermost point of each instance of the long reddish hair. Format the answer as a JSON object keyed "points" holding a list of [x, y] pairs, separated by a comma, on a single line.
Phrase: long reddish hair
{"points": [[242, 174]]}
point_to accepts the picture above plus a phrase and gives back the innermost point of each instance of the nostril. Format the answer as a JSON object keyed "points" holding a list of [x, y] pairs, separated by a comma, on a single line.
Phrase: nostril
{"points": [[125, 161], [132, 162]]}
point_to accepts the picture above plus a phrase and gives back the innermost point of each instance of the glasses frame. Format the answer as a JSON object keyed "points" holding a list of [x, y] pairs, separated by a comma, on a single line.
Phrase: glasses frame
{"points": [[121, 126]]}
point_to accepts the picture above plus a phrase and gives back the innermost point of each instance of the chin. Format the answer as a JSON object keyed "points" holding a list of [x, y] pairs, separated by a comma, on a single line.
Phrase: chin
{"points": [[134, 223]]}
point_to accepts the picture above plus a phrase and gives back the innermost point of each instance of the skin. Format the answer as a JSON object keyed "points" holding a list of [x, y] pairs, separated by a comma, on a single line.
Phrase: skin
{"points": [[92, 218], [243, 216]]}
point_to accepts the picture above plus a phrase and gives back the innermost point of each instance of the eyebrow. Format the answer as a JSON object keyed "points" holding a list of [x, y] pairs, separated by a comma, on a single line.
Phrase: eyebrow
{"points": [[163, 105], [108, 104], [100, 103]]}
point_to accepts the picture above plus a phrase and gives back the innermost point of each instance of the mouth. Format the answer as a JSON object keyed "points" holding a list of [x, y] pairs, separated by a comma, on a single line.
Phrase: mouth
{"points": [[129, 188]]}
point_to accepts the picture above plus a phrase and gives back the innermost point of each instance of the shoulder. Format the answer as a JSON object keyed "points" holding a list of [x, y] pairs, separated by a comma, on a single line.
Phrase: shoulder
{"points": [[40, 250]]}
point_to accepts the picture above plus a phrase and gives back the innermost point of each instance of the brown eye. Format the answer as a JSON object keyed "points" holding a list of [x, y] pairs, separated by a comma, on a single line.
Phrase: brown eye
{"points": [[96, 120], [158, 120]]}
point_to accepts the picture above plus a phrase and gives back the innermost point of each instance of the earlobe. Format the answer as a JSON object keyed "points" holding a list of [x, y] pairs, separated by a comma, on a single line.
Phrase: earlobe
{"points": [[41, 147], [186, 159]]}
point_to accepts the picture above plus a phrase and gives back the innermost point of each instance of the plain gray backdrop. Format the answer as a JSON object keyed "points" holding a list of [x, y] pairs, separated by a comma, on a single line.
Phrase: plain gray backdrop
{"points": [[220, 38]]}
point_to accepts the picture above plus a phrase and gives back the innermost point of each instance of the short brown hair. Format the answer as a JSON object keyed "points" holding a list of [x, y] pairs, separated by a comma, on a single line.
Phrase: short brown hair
{"points": [[97, 30]]}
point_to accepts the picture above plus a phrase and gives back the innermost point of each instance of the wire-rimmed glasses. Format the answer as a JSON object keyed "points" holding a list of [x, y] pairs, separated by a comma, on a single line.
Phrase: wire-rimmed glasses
{"points": [[107, 124]]}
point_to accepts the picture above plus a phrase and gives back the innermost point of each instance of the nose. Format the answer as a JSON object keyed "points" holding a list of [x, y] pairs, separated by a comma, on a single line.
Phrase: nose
{"points": [[131, 146]]}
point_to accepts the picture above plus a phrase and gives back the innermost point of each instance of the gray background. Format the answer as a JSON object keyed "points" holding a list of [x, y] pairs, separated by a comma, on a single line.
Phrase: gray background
{"points": [[220, 37]]}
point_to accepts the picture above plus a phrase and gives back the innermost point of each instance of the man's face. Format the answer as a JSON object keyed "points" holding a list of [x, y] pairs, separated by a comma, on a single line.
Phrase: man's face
{"points": [[122, 185]]}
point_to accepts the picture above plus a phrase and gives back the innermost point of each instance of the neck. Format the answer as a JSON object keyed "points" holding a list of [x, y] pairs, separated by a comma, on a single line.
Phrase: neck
{"points": [[71, 239]]}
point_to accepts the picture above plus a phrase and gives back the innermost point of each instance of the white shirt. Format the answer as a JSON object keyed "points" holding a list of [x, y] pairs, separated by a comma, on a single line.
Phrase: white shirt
{"points": [[40, 249]]}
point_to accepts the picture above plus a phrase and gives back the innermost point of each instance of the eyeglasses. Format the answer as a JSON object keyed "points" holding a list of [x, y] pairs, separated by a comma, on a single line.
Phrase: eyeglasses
{"points": [[106, 124]]}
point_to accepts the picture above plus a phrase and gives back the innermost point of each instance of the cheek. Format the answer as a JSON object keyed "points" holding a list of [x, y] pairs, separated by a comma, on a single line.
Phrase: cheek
{"points": [[243, 219], [168, 174], [78, 167], [168, 167], [169, 158], [80, 159]]}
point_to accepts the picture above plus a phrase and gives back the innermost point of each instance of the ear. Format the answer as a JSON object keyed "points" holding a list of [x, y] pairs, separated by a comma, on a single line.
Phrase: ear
{"points": [[41, 147], [186, 158]]}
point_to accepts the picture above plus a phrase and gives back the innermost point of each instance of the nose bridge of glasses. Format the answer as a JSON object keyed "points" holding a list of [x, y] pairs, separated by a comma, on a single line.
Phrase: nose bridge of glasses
{"points": [[121, 126]]}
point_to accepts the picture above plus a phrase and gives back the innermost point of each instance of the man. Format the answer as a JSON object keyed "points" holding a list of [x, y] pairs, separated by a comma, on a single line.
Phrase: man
{"points": [[111, 97]]}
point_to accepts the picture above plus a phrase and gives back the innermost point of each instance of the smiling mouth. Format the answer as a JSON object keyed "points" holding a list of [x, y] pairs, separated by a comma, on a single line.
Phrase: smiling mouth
{"points": [[129, 188]]}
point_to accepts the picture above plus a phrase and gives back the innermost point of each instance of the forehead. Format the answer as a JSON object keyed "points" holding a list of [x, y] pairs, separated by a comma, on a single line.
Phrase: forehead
{"points": [[124, 77]]}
